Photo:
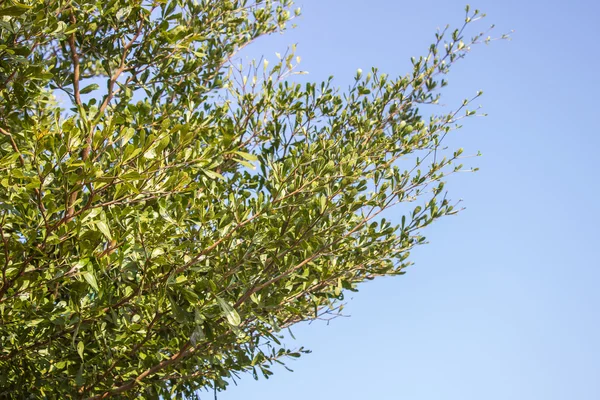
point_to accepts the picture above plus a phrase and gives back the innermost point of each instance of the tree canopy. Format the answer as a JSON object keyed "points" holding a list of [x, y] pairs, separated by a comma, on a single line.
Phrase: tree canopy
{"points": [[165, 211]]}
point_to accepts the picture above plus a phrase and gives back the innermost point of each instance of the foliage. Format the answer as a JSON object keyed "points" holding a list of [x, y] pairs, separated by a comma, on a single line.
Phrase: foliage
{"points": [[159, 231]]}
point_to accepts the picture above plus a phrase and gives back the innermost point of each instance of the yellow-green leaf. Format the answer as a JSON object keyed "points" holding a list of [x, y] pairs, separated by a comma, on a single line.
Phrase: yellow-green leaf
{"points": [[80, 348], [103, 227], [233, 318]]}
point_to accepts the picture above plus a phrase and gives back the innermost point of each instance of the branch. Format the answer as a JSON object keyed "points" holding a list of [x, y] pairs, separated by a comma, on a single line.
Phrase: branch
{"points": [[185, 350], [111, 92], [119, 71], [6, 253], [75, 59], [131, 353], [13, 144]]}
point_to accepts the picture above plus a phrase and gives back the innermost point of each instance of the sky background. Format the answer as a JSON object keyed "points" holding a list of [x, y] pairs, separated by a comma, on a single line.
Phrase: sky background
{"points": [[504, 301]]}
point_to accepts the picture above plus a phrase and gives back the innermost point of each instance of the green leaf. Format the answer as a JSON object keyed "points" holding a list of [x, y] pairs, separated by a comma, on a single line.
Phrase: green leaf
{"points": [[157, 252], [246, 156], [123, 12], [103, 227], [94, 212], [80, 348], [150, 154], [178, 312], [246, 164], [233, 318], [79, 381], [91, 279], [14, 11], [213, 174], [323, 203], [198, 335], [131, 176], [89, 88]]}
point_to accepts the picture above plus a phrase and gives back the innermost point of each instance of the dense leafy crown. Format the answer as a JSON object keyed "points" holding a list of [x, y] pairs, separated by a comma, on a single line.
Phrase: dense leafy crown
{"points": [[174, 211]]}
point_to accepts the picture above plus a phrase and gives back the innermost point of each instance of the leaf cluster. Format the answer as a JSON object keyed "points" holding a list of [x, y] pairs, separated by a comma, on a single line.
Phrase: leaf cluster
{"points": [[175, 211]]}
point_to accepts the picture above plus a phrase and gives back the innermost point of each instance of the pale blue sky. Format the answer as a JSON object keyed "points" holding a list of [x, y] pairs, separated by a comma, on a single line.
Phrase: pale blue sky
{"points": [[503, 302]]}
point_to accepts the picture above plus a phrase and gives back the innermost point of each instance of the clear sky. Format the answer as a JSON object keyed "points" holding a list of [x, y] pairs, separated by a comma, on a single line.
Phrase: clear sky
{"points": [[504, 301]]}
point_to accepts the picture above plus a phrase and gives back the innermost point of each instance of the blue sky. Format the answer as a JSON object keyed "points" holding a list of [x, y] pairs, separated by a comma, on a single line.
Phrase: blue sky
{"points": [[504, 301]]}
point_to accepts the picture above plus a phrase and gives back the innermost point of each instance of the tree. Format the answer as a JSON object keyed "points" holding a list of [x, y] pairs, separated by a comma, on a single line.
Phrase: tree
{"points": [[180, 210]]}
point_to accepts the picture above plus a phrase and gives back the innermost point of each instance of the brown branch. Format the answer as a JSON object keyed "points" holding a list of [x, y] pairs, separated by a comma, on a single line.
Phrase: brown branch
{"points": [[77, 94], [10, 77], [13, 144], [85, 389], [75, 59], [111, 92], [6, 253], [188, 349], [185, 350], [317, 254], [9, 282], [119, 71]]}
